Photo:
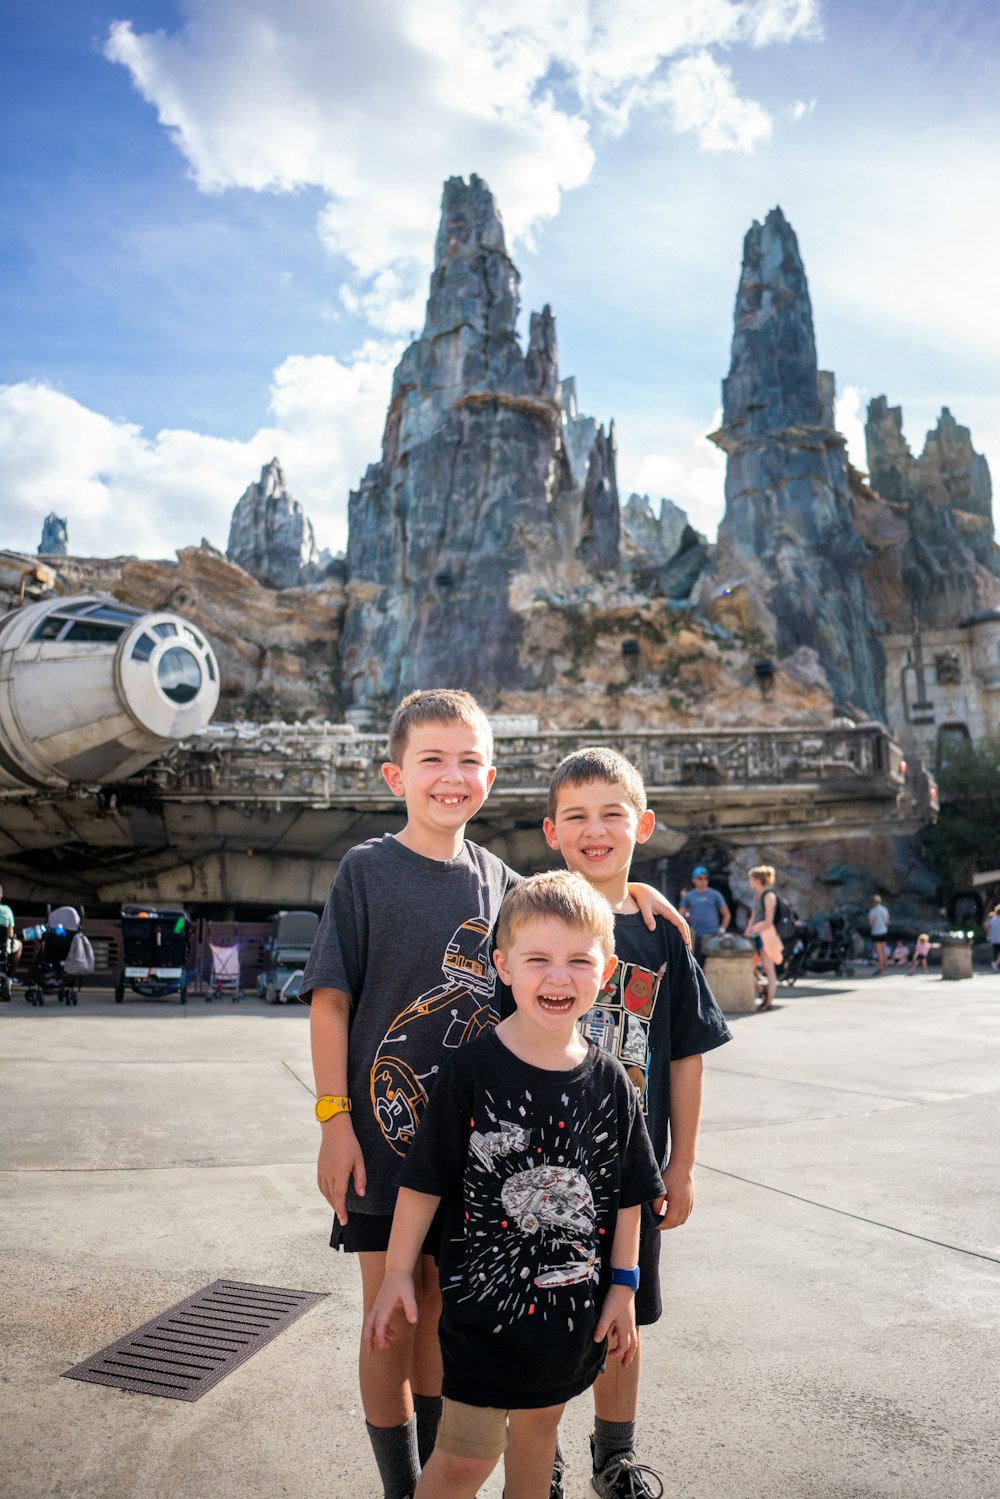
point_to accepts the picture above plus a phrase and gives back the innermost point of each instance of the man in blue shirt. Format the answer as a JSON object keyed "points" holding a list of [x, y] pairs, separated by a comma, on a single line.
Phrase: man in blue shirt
{"points": [[704, 909]]}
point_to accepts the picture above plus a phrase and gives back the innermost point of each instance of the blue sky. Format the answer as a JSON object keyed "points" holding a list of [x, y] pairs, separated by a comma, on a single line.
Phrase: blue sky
{"points": [[219, 217]]}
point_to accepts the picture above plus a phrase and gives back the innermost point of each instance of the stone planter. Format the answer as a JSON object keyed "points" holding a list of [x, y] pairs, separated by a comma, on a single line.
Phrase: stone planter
{"points": [[729, 971], [956, 957]]}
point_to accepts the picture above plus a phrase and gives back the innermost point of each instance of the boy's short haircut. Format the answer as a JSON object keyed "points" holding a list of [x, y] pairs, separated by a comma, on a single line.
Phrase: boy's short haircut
{"points": [[568, 897], [437, 705], [597, 763]]}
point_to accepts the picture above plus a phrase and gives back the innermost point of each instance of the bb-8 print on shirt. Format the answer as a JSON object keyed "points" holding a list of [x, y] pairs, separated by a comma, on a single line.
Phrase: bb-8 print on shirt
{"points": [[444, 1018], [619, 1021]]}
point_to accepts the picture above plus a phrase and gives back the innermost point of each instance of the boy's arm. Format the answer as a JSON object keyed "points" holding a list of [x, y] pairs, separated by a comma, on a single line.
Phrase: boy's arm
{"points": [[617, 1319], [340, 1155], [685, 1115], [410, 1222], [652, 904]]}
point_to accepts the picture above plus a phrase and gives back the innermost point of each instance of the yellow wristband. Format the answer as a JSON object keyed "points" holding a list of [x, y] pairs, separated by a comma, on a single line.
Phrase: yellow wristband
{"points": [[328, 1106]]}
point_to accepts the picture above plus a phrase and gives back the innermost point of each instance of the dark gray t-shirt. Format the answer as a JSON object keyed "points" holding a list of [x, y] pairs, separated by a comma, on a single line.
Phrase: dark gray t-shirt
{"points": [[410, 939]]}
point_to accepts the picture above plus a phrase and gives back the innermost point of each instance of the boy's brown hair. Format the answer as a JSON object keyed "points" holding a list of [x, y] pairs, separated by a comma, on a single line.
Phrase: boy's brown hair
{"points": [[437, 705], [567, 897], [597, 763]]}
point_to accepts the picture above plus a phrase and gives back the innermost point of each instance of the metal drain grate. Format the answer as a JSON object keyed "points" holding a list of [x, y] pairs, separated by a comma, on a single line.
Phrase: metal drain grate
{"points": [[192, 1345]]}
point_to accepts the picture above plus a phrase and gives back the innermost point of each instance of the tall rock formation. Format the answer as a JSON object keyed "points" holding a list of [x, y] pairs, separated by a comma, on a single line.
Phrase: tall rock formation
{"points": [[55, 536], [787, 533], [475, 486], [948, 559], [270, 535]]}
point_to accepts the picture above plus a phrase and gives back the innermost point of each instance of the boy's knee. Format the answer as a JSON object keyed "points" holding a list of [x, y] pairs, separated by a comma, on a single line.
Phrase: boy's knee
{"points": [[451, 1469]]}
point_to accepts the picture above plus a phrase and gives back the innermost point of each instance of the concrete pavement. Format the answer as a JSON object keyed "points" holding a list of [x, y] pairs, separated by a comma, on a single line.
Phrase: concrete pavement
{"points": [[832, 1310]]}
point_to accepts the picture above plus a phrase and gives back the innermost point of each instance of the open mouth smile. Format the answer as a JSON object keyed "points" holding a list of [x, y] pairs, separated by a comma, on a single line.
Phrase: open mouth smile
{"points": [[556, 1004], [597, 853]]}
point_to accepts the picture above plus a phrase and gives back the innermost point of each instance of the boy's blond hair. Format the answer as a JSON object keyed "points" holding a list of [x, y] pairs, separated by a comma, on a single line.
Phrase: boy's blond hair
{"points": [[597, 763], [568, 897], [437, 705]]}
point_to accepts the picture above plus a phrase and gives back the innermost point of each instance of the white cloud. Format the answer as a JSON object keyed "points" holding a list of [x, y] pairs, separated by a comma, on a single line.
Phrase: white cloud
{"points": [[376, 103], [692, 474], [124, 492], [849, 409]]}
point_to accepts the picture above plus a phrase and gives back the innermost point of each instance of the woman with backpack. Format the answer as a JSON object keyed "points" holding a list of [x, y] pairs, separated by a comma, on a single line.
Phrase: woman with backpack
{"points": [[762, 928]]}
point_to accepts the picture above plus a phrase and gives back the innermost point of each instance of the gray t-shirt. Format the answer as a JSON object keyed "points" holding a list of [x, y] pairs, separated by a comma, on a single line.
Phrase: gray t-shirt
{"points": [[410, 939], [878, 921]]}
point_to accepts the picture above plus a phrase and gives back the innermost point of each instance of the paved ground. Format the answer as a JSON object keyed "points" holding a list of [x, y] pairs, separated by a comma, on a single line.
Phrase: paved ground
{"points": [[832, 1309]]}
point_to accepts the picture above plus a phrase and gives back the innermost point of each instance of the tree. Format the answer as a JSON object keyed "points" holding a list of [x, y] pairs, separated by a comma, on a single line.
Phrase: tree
{"points": [[966, 837]]}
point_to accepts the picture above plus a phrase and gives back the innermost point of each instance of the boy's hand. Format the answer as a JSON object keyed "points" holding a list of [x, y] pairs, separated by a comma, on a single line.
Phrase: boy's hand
{"points": [[678, 1188], [397, 1293], [652, 904], [617, 1324], [340, 1158]]}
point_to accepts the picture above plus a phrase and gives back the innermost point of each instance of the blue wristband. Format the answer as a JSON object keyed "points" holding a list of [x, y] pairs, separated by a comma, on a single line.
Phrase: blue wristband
{"points": [[628, 1278]]}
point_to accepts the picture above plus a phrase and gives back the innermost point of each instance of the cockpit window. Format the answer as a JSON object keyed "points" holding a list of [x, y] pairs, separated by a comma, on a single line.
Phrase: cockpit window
{"points": [[89, 628], [165, 629], [143, 648]]}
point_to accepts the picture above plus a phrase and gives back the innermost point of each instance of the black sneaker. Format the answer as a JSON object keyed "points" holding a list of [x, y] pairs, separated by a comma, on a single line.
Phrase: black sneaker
{"points": [[624, 1477], [557, 1488]]}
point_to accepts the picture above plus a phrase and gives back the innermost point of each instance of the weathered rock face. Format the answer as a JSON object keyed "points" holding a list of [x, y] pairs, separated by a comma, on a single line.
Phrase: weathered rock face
{"points": [[475, 485], [946, 560], [55, 537], [787, 536], [656, 535], [270, 536]]}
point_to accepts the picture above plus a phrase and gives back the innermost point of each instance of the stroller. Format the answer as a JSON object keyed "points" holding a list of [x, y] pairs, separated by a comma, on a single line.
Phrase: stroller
{"points": [[155, 960], [225, 974], [793, 964], [48, 973], [833, 950]]}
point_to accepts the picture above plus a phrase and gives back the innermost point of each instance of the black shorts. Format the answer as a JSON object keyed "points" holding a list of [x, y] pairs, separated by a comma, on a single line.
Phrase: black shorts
{"points": [[369, 1232], [648, 1306]]}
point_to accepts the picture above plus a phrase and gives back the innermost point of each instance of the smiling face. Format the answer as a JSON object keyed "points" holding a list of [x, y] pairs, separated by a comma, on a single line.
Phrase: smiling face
{"points": [[595, 828], [555, 972], [445, 777]]}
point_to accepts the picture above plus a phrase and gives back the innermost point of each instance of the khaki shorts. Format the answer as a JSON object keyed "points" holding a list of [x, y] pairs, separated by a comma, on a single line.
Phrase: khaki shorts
{"points": [[478, 1431]]}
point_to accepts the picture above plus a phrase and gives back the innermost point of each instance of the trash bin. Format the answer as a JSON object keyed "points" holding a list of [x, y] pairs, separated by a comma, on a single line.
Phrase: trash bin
{"points": [[956, 956], [729, 969]]}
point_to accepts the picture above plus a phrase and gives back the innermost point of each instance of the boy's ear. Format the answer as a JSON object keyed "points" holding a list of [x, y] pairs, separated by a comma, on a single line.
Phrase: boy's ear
{"points": [[551, 836], [647, 822], [500, 964], [609, 969], [393, 778], [491, 776]]}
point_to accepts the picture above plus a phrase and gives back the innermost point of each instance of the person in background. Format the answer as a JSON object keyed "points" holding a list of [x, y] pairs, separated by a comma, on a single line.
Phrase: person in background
{"points": [[704, 909], [8, 937], [920, 953], [878, 925], [770, 949], [901, 953], [992, 925]]}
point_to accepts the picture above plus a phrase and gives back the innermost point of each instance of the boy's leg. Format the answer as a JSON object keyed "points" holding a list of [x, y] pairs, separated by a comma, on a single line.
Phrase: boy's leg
{"points": [[426, 1377], [386, 1396], [529, 1458], [470, 1442]]}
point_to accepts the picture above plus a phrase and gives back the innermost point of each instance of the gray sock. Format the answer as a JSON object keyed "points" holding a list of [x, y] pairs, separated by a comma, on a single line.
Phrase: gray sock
{"points": [[611, 1437], [427, 1409], [395, 1449]]}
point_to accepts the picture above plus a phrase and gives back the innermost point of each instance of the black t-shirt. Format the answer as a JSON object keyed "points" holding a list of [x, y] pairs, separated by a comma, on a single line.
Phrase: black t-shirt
{"points": [[655, 1008], [410, 939], [533, 1167]]}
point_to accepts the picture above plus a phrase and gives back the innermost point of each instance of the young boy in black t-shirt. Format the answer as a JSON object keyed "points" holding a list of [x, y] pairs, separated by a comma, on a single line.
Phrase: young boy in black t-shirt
{"points": [[534, 1141], [657, 1015]]}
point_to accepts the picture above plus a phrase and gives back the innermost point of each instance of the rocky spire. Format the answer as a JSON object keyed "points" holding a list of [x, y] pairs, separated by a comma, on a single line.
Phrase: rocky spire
{"points": [[947, 502], [788, 522], [270, 536], [473, 481], [55, 536]]}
